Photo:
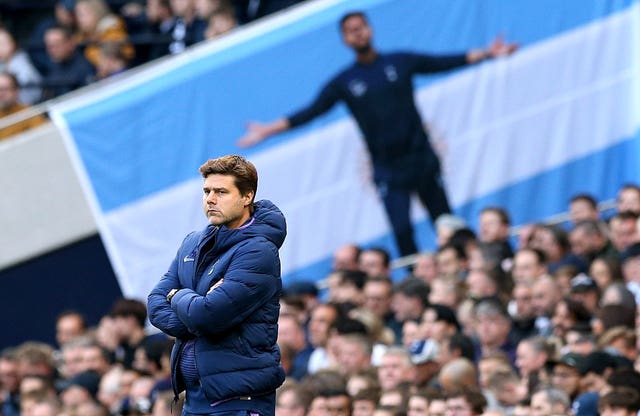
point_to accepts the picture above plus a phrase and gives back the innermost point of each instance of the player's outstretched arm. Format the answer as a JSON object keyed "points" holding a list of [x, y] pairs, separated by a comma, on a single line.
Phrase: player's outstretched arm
{"points": [[257, 132]]}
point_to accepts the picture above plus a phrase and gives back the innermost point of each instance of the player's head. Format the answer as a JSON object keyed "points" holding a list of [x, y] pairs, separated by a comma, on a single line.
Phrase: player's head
{"points": [[356, 32]]}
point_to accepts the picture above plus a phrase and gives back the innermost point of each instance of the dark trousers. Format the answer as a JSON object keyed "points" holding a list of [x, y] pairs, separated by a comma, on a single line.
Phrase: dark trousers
{"points": [[430, 190]]}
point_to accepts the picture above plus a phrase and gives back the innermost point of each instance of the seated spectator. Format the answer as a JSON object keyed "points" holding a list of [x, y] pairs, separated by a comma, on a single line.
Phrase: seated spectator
{"points": [[17, 62], [425, 267], [346, 257], [63, 15], [628, 198], [624, 230], [554, 242], [69, 68], [589, 240], [111, 60], [583, 207], [494, 229], [10, 104], [250, 10], [220, 22], [205, 8], [605, 270], [150, 30], [97, 25], [467, 401], [549, 401], [188, 28], [375, 261], [620, 401]]}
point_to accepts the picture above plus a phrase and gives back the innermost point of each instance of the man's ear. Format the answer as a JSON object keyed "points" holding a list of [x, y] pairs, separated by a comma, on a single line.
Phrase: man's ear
{"points": [[248, 199]]}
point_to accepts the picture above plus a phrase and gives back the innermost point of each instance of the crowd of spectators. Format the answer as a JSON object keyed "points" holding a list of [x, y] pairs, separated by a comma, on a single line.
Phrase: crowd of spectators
{"points": [[485, 325], [83, 41]]}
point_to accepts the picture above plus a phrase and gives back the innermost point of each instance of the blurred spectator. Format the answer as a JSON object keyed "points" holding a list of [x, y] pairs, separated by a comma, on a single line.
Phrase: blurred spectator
{"points": [[583, 207], [378, 295], [9, 383], [446, 225], [375, 261], [219, 22], [9, 104], [467, 401], [549, 401], [589, 240], [63, 15], [628, 199], [554, 242], [346, 257], [494, 229], [492, 329], [16, 61], [97, 25], [149, 29], [292, 400], [395, 368], [205, 8], [546, 295], [457, 374], [81, 388], [69, 68], [438, 322], [187, 27], [249, 10], [620, 401], [291, 334], [111, 60], [165, 405], [605, 270], [584, 290], [425, 267], [322, 317], [129, 318], [522, 310], [624, 230], [69, 325], [452, 261], [532, 354], [410, 297]]}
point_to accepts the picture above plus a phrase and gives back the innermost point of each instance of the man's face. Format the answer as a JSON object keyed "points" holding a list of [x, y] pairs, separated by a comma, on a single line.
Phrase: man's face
{"points": [[540, 406], [321, 319], [223, 203], [58, 46], [448, 262], [288, 404], [624, 232], [528, 359], [393, 370], [458, 406], [616, 411], [418, 406], [565, 378], [545, 297], [372, 263], [628, 200], [8, 93], [492, 228], [339, 405], [356, 33], [68, 327], [631, 269], [377, 298], [580, 210], [523, 298]]}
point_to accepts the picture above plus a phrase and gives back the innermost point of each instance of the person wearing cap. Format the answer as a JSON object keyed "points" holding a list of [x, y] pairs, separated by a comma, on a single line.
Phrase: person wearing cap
{"points": [[565, 374], [79, 389], [424, 357], [585, 291]]}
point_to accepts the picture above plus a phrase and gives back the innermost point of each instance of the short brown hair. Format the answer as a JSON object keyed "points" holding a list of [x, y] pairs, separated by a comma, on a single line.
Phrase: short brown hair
{"points": [[244, 172]]}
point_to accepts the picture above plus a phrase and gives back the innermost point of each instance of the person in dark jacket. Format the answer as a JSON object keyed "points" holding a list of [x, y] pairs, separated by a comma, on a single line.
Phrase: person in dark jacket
{"points": [[220, 298], [378, 90]]}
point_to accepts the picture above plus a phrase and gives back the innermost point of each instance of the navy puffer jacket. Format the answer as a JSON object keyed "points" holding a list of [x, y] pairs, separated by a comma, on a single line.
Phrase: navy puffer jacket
{"points": [[235, 325]]}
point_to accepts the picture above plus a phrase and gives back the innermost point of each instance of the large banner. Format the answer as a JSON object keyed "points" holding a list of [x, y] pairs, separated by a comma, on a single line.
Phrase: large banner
{"points": [[558, 117]]}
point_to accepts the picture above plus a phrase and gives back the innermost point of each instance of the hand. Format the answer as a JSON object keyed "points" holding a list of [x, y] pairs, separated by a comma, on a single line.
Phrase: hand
{"points": [[499, 48], [256, 132]]}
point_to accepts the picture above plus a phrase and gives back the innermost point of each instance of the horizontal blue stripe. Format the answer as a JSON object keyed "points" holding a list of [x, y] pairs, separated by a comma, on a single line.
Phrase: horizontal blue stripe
{"points": [[600, 174], [157, 134]]}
